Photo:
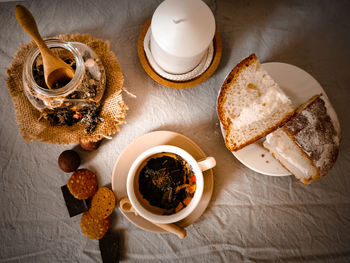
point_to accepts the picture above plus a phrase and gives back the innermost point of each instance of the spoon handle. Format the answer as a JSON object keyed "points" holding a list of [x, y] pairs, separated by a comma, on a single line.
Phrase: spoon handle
{"points": [[172, 228], [125, 206], [27, 22]]}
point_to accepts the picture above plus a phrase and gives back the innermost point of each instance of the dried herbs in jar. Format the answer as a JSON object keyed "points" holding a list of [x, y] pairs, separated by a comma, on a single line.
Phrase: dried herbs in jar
{"points": [[69, 101]]}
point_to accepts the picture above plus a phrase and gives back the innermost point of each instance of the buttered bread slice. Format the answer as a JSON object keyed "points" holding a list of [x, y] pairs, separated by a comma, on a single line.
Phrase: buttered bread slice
{"points": [[251, 104], [308, 144]]}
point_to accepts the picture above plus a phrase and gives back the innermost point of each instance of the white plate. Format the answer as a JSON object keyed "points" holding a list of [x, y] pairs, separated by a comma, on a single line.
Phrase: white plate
{"points": [[129, 154], [299, 87]]}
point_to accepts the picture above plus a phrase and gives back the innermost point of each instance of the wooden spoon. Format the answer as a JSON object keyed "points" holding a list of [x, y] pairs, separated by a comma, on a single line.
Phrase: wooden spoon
{"points": [[126, 206], [55, 69]]}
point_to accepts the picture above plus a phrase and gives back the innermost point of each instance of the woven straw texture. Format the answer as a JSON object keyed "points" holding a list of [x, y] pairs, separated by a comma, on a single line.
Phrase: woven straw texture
{"points": [[113, 109]]}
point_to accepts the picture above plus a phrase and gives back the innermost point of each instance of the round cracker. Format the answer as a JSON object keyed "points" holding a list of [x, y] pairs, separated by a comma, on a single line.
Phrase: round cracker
{"points": [[82, 184], [102, 203], [92, 227]]}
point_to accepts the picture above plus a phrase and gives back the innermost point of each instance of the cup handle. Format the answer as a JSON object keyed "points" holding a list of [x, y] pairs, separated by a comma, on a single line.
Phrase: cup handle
{"points": [[206, 163]]}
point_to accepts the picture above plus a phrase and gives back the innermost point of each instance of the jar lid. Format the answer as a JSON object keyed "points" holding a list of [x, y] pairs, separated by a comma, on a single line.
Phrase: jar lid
{"points": [[183, 28]]}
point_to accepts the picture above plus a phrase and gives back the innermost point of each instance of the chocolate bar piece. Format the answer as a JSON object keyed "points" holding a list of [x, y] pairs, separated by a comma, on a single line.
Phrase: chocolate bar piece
{"points": [[74, 206], [110, 247]]}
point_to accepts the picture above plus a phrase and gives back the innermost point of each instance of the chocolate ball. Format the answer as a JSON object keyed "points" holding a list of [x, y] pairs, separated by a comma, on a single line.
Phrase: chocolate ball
{"points": [[69, 161], [90, 146]]}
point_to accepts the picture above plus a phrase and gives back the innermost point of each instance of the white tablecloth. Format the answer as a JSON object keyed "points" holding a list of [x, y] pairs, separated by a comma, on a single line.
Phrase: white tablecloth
{"points": [[251, 217]]}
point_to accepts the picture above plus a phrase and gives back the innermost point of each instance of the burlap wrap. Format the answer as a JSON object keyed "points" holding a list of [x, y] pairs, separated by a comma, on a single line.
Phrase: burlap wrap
{"points": [[113, 107]]}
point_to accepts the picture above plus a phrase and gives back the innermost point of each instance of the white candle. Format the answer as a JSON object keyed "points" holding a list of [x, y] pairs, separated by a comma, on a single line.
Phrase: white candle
{"points": [[181, 32]]}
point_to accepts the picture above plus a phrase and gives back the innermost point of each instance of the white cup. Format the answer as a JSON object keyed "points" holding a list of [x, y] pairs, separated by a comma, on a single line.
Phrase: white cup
{"points": [[152, 213]]}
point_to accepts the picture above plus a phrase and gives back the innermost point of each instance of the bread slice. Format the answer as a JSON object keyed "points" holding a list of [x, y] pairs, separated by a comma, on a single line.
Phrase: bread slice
{"points": [[308, 144], [251, 104]]}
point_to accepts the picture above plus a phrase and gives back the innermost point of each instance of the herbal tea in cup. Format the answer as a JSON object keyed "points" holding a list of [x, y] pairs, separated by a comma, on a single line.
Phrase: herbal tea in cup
{"points": [[165, 183]]}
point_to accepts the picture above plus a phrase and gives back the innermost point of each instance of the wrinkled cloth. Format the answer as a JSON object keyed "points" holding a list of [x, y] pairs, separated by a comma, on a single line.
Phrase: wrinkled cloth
{"points": [[251, 217]]}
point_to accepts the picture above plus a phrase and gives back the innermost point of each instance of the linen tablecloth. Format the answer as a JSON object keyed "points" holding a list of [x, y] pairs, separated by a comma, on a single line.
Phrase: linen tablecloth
{"points": [[251, 217]]}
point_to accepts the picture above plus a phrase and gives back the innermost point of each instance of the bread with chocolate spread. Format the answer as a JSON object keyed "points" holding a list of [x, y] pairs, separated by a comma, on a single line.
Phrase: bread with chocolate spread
{"points": [[308, 144]]}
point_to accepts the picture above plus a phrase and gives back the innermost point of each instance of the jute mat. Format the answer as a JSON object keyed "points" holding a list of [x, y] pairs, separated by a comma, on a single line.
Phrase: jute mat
{"points": [[113, 110]]}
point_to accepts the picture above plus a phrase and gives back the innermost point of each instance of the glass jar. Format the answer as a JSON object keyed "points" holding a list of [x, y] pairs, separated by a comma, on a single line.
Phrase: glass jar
{"points": [[86, 88]]}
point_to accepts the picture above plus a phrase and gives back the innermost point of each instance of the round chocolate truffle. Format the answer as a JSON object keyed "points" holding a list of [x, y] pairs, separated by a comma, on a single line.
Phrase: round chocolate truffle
{"points": [[69, 161]]}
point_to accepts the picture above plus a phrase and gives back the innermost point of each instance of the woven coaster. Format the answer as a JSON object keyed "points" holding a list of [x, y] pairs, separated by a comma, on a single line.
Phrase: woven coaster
{"points": [[113, 110]]}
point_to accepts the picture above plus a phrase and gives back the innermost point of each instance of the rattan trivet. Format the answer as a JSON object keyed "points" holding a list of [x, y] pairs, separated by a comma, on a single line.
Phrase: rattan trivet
{"points": [[178, 84], [113, 109]]}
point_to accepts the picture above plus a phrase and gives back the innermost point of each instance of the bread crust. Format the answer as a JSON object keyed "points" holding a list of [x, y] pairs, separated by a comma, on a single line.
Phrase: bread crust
{"points": [[231, 78], [307, 103], [323, 125], [234, 147], [297, 124]]}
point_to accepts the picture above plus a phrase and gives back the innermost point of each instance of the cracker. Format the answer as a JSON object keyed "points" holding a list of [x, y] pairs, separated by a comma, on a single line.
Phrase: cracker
{"points": [[92, 227], [102, 203], [82, 184]]}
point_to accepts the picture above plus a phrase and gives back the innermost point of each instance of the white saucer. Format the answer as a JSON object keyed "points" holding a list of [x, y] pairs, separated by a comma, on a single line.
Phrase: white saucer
{"points": [[299, 87], [129, 154]]}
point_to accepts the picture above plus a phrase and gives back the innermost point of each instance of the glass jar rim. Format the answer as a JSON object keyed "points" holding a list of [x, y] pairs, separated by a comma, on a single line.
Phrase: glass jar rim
{"points": [[79, 70]]}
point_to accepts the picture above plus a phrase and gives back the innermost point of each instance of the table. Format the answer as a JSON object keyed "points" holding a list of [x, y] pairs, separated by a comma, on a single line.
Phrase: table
{"points": [[251, 217]]}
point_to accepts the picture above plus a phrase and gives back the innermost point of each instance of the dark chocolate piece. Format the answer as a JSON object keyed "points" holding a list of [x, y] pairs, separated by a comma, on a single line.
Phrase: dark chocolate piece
{"points": [[110, 247], [74, 206]]}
